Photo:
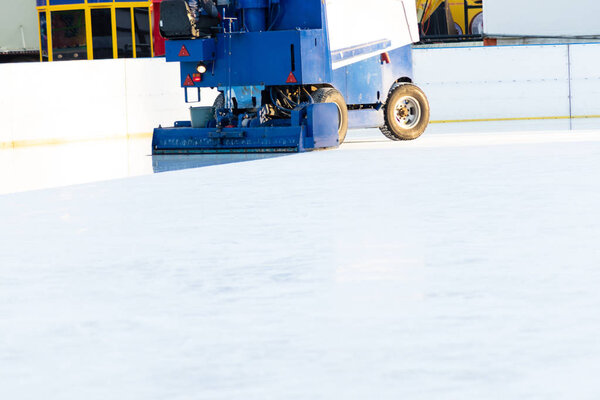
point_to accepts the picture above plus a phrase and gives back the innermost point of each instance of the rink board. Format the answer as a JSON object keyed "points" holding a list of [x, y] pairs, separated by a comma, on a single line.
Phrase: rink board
{"points": [[88, 100], [510, 82]]}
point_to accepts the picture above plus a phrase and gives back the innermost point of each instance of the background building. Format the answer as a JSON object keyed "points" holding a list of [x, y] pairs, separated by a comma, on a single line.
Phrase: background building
{"points": [[510, 22], [98, 29], [19, 39]]}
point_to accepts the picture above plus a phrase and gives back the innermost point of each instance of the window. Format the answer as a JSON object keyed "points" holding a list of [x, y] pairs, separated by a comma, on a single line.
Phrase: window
{"points": [[68, 35], [124, 38], [95, 29], [142, 33], [44, 36], [102, 33]]}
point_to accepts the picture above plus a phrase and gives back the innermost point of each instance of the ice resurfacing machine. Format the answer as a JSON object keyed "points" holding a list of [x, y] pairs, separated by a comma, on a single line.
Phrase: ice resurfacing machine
{"points": [[293, 75]]}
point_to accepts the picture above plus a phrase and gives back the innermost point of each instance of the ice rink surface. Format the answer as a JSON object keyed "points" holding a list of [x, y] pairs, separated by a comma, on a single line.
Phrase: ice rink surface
{"points": [[460, 266]]}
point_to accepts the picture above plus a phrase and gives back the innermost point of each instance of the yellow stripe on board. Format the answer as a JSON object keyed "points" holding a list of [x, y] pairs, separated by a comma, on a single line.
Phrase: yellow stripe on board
{"points": [[54, 142], [452, 121]]}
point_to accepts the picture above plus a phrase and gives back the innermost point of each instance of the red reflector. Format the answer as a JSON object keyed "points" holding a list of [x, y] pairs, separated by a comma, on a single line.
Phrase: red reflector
{"points": [[291, 78], [188, 81], [183, 52], [197, 77], [385, 58]]}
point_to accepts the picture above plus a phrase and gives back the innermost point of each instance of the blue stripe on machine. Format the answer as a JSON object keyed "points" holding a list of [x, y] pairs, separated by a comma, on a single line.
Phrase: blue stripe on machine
{"points": [[355, 51]]}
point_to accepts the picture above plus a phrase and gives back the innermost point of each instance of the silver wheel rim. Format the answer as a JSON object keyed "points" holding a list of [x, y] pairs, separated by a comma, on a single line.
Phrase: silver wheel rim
{"points": [[340, 116], [407, 112]]}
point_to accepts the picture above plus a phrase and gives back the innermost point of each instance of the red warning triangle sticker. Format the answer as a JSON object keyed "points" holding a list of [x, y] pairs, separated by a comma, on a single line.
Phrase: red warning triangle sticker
{"points": [[183, 52], [188, 81], [291, 78]]}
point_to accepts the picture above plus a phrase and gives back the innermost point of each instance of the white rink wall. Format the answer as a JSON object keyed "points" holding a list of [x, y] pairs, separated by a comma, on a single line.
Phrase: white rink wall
{"points": [[510, 82], [88, 100]]}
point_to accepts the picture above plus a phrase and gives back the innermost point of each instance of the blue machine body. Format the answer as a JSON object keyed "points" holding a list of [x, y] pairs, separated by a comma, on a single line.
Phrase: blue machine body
{"points": [[257, 58], [266, 44]]}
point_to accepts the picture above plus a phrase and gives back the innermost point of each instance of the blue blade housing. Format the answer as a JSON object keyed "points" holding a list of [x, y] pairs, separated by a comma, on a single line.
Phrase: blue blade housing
{"points": [[312, 127]]}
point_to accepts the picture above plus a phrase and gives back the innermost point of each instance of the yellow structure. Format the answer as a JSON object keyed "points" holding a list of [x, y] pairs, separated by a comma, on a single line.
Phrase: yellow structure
{"points": [[95, 29], [471, 25], [425, 8]]}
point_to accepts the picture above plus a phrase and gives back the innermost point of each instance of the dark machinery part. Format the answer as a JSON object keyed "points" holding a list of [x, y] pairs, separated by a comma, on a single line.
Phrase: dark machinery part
{"points": [[210, 8], [177, 20]]}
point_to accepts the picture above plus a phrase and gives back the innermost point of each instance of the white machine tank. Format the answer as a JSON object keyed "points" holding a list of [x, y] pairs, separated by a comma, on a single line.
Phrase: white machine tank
{"points": [[357, 23]]}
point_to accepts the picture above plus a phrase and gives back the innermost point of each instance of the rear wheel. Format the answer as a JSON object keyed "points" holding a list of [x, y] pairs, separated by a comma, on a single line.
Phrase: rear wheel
{"points": [[330, 95], [219, 104], [406, 113]]}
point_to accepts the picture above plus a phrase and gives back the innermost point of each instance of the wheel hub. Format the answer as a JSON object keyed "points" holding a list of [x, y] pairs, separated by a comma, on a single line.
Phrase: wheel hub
{"points": [[403, 112], [408, 112]]}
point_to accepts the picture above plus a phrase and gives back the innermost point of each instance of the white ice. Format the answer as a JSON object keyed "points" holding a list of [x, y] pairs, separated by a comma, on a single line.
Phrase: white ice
{"points": [[459, 266]]}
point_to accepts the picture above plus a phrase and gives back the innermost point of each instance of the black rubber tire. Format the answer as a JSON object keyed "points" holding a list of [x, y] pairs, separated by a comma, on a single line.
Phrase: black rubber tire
{"points": [[393, 129], [219, 103], [331, 95]]}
